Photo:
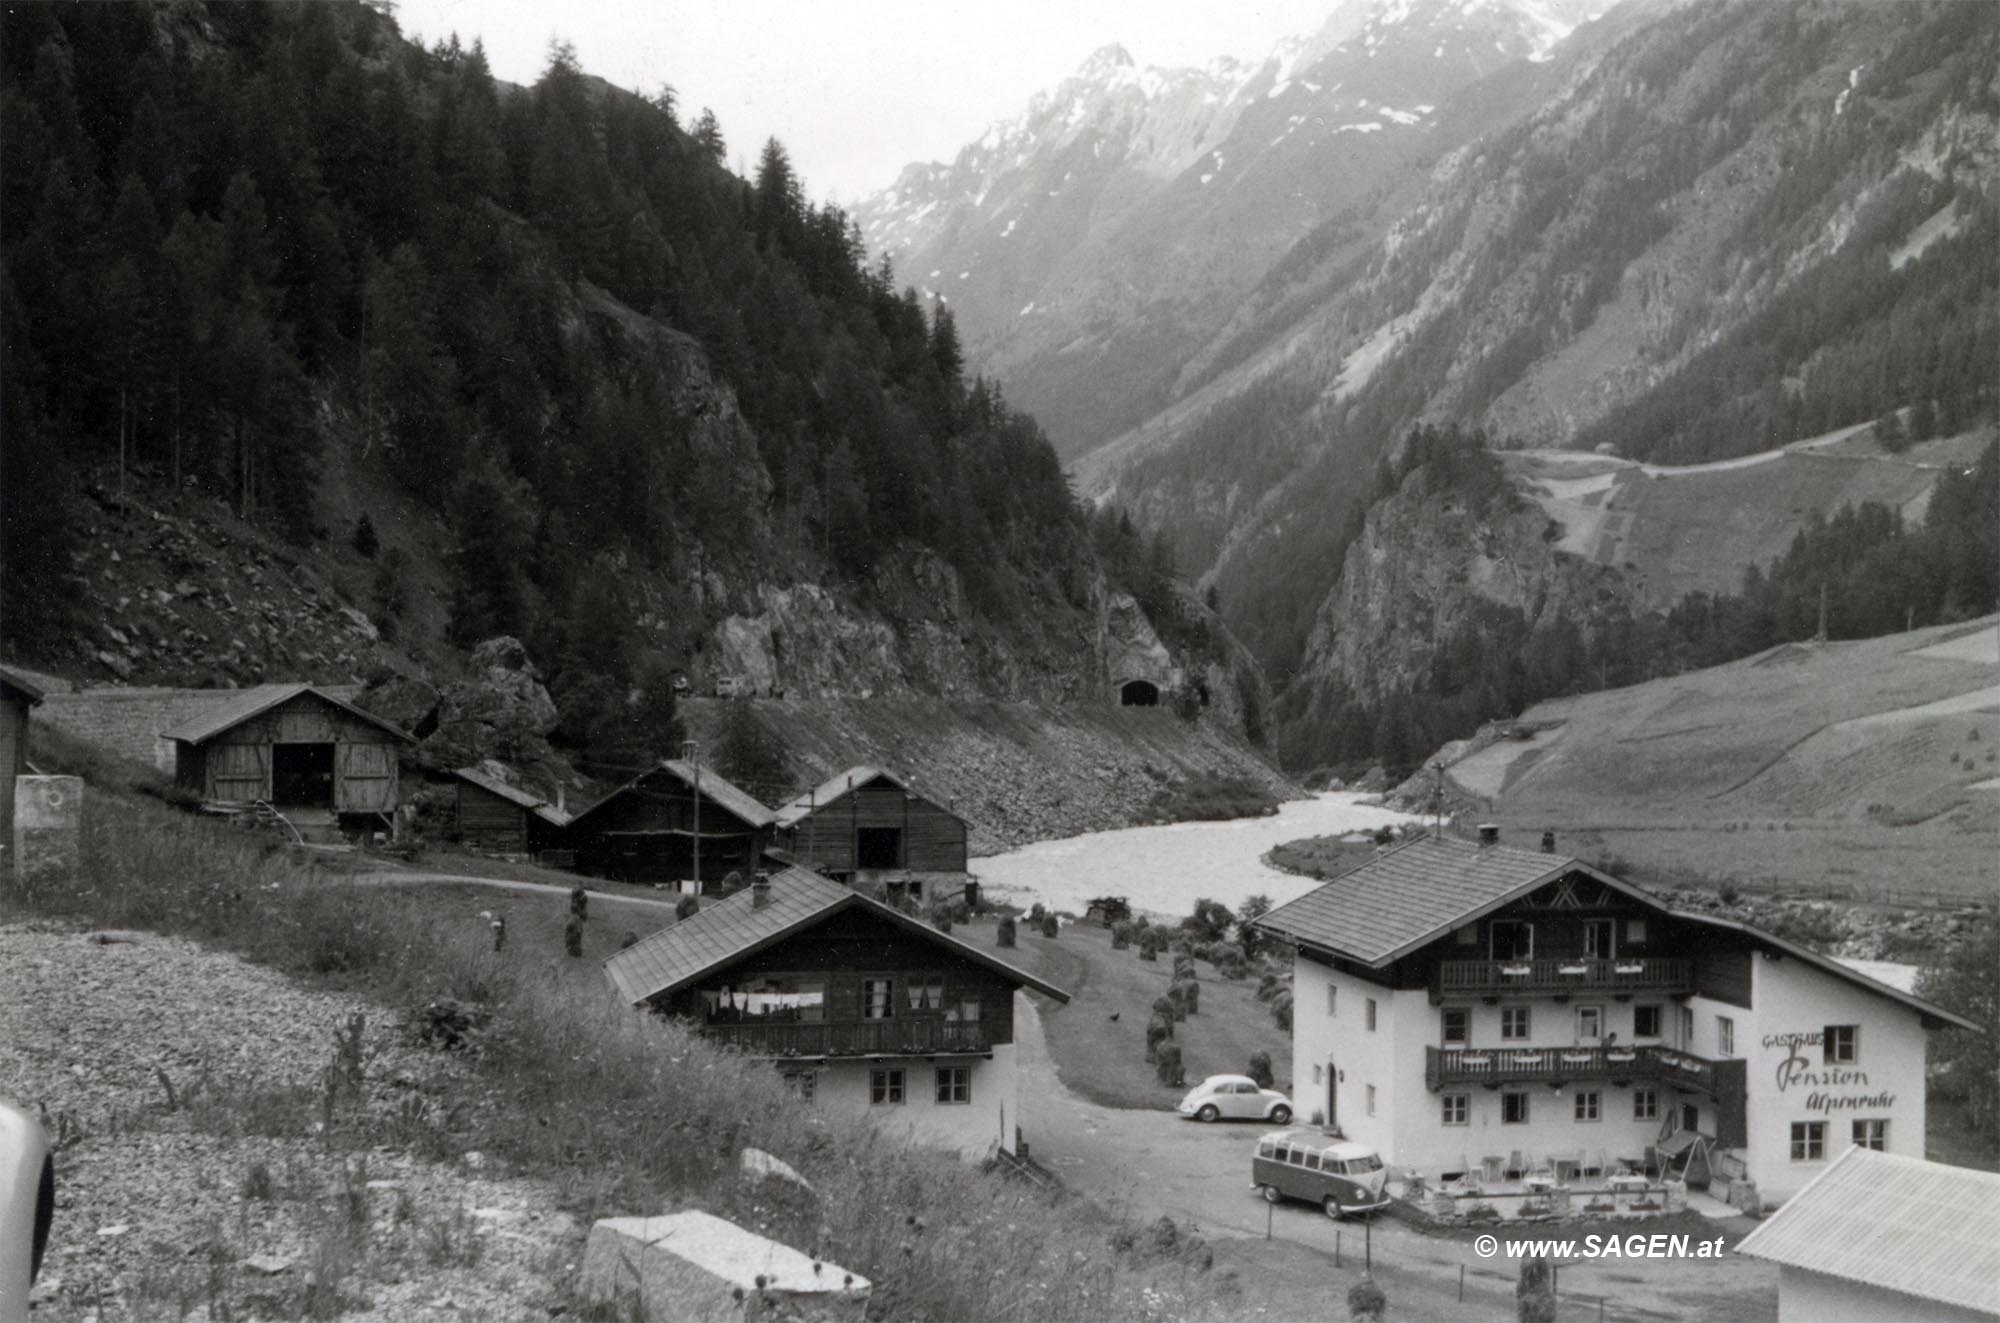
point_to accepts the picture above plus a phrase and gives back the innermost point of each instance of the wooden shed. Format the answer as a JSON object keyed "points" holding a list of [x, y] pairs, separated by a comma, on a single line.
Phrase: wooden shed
{"points": [[17, 695], [873, 827], [320, 761], [492, 813], [679, 822]]}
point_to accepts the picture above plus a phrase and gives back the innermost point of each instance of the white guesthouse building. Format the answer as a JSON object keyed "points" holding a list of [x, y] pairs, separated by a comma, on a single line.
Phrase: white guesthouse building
{"points": [[1472, 1007]]}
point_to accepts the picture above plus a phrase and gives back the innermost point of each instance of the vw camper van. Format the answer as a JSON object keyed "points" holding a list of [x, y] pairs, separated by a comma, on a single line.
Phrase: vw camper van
{"points": [[1339, 1175]]}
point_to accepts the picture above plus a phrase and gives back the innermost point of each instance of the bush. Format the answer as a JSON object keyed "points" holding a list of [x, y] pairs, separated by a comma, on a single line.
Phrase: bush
{"points": [[941, 918], [1281, 1010], [1535, 1293], [1209, 922], [1212, 798], [1167, 1064], [1121, 936], [1366, 1300], [1004, 934], [686, 906], [1260, 1069], [1229, 961]]}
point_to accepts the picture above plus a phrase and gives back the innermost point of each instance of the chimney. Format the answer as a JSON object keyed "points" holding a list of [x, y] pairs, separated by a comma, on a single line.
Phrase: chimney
{"points": [[562, 794], [1489, 833], [760, 891], [1548, 842]]}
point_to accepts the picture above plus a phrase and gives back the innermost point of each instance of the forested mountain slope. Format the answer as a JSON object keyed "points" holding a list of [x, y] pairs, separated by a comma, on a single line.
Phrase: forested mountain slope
{"points": [[485, 360]]}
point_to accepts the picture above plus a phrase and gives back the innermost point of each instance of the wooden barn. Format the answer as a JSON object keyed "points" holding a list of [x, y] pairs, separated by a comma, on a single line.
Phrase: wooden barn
{"points": [[16, 697], [491, 813], [680, 822], [322, 762], [872, 828]]}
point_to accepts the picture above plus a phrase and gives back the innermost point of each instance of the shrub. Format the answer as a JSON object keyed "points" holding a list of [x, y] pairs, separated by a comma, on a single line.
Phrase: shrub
{"points": [[941, 918], [1281, 1010], [1209, 922], [1167, 1064], [1535, 1293], [1366, 1300], [1260, 1069], [1229, 961], [1004, 934], [686, 906], [1050, 927], [1121, 936]]}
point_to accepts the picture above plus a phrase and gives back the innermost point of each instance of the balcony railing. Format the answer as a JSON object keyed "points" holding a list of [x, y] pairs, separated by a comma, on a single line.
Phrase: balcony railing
{"points": [[1541, 1065], [1638, 974], [857, 1038]]}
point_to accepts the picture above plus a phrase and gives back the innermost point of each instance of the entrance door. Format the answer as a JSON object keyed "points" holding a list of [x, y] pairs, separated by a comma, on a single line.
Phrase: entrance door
{"points": [[302, 775], [1690, 1117], [878, 847]]}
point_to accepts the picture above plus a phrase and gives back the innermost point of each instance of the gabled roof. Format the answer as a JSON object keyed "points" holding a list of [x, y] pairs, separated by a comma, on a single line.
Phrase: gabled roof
{"points": [[1901, 1224], [19, 684], [514, 794], [232, 710], [714, 786], [1401, 900], [721, 934], [834, 787]]}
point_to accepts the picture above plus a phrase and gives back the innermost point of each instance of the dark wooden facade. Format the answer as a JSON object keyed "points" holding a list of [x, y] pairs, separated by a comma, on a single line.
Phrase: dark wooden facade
{"points": [[502, 819], [928, 1000], [306, 755], [646, 831], [877, 826], [16, 697]]}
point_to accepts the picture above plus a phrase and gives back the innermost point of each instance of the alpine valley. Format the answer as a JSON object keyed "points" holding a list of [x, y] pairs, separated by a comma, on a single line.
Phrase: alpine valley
{"points": [[1472, 352]]}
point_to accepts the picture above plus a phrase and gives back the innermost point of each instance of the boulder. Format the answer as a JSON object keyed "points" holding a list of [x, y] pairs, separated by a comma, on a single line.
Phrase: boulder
{"points": [[700, 1268]]}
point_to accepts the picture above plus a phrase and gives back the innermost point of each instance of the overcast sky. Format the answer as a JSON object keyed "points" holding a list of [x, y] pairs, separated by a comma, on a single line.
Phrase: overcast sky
{"points": [[855, 89]]}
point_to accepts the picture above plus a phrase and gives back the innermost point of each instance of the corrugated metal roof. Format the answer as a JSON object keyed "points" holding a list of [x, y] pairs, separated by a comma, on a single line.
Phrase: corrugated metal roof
{"points": [[514, 794], [1404, 898], [238, 708], [732, 929], [714, 786], [1902, 1224]]}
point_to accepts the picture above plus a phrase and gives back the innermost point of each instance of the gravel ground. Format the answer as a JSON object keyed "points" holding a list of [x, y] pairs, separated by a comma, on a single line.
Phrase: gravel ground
{"points": [[228, 1201]]}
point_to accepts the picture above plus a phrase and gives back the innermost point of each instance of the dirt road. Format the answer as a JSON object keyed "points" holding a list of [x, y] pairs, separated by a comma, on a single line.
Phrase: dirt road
{"points": [[1146, 1164]]}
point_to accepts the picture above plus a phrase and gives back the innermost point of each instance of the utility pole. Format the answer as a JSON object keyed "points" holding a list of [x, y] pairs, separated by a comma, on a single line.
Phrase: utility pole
{"points": [[1437, 799], [689, 750], [1820, 637]]}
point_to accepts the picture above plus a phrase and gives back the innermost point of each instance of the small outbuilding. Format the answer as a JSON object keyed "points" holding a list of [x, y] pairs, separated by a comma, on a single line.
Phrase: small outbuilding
{"points": [[319, 760], [492, 813], [679, 822], [871, 827], [17, 695], [1880, 1235]]}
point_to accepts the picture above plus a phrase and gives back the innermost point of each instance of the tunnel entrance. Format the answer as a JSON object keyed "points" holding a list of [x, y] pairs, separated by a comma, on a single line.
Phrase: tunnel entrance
{"points": [[1138, 693]]}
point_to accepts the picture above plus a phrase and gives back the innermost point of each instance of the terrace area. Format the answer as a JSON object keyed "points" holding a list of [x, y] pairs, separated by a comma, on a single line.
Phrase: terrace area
{"points": [[1623, 975], [857, 1038], [1546, 1065]]}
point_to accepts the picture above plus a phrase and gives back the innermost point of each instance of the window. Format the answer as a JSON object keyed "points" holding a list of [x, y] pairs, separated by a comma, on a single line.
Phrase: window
{"points": [[1645, 1021], [1513, 939], [1840, 1044], [1457, 1109], [1808, 1141], [1725, 1036], [804, 1083], [954, 1084], [1589, 1023], [1371, 1015], [1687, 1028], [1457, 1022], [1371, 1100], [926, 992], [1597, 938], [1316, 1072], [1312, 1161], [965, 1008], [1645, 1105], [878, 999], [1871, 1134], [1332, 996], [1513, 1022], [1514, 1109], [885, 1086], [1635, 932], [1589, 1106], [1467, 936]]}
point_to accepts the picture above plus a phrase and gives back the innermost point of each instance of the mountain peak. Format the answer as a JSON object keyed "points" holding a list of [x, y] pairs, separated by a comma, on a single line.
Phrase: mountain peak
{"points": [[1105, 60]]}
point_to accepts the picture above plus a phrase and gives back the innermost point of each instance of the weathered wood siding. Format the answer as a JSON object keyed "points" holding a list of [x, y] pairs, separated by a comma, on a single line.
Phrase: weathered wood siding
{"points": [[612, 841], [930, 839], [489, 822], [13, 761], [236, 764], [1722, 972]]}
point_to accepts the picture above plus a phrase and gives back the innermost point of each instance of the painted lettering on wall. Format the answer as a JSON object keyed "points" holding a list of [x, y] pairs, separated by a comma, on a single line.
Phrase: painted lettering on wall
{"points": [[1796, 1069]]}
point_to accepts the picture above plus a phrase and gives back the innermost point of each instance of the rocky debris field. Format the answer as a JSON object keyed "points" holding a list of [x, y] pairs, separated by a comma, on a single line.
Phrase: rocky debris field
{"points": [[188, 1093]]}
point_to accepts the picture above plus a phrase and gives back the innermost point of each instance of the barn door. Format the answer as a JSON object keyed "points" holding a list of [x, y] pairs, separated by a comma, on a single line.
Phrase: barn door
{"points": [[238, 772], [366, 779]]}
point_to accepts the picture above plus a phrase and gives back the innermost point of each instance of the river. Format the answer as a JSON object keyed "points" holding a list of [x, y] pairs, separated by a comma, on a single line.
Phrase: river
{"points": [[1164, 870]]}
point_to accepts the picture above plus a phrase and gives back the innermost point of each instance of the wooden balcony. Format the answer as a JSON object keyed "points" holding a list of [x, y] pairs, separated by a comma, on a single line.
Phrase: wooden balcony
{"points": [[1544, 1065], [1486, 978], [856, 1038]]}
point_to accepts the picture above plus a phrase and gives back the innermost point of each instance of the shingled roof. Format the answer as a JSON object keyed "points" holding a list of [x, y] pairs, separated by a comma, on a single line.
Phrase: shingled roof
{"points": [[730, 930], [1400, 900], [513, 794], [234, 709], [1901, 1224]]}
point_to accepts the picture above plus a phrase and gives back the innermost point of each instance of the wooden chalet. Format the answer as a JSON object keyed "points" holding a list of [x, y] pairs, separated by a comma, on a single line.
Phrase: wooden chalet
{"points": [[871, 828], [679, 822], [17, 695], [859, 1004], [317, 759], [492, 813]]}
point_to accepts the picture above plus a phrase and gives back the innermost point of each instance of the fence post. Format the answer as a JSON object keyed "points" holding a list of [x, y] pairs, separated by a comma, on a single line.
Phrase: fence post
{"points": [[1461, 1283], [1267, 1219], [1368, 1245], [1336, 1247]]}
